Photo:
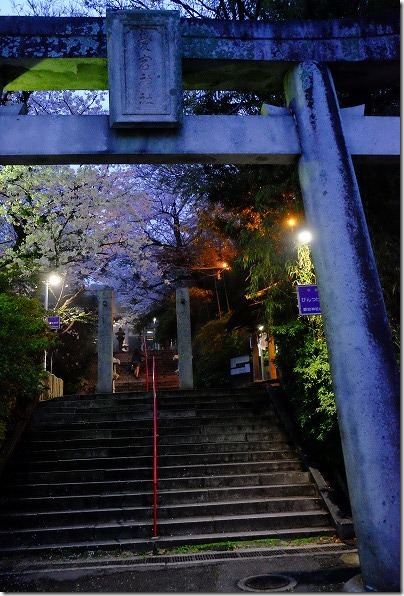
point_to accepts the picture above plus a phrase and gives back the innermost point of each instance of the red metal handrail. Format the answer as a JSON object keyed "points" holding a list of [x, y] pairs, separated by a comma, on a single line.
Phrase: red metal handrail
{"points": [[154, 450], [146, 363]]}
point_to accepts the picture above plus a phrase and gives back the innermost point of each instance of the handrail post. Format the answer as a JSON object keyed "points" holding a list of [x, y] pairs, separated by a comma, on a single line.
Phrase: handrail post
{"points": [[154, 450]]}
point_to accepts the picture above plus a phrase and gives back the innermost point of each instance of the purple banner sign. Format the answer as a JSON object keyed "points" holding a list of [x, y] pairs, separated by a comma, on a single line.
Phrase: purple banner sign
{"points": [[54, 322], [308, 300]]}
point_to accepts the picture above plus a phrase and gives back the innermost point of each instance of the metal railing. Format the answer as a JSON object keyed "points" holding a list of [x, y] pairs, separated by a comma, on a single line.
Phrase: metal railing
{"points": [[146, 363], [155, 433]]}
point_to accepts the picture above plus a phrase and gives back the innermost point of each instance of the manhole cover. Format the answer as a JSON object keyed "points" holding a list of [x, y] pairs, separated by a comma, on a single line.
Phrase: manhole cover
{"points": [[267, 583]]}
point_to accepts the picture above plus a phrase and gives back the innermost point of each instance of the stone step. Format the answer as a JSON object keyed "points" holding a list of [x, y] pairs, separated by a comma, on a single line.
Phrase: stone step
{"points": [[133, 528], [115, 514], [141, 399], [114, 437], [102, 437], [124, 386], [192, 432], [182, 397], [62, 472], [167, 497], [46, 450], [40, 460], [46, 490], [137, 403], [120, 418], [83, 476], [189, 417]]}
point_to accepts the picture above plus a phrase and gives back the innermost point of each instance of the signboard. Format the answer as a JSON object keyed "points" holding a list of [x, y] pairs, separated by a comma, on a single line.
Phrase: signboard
{"points": [[308, 300], [144, 68], [54, 322], [240, 365]]}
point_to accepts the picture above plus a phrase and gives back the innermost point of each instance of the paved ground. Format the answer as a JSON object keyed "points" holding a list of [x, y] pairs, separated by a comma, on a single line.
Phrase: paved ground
{"points": [[314, 568]]}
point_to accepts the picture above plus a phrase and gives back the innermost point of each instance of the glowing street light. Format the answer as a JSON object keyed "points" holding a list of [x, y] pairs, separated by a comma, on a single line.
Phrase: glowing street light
{"points": [[53, 280], [305, 237], [292, 222]]}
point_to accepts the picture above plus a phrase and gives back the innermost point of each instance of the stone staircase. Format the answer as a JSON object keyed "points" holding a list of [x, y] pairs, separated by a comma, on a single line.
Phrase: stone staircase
{"points": [[167, 379], [82, 478]]}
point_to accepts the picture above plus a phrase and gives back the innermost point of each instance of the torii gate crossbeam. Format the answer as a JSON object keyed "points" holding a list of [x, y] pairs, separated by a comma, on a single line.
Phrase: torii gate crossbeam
{"points": [[251, 56], [235, 139]]}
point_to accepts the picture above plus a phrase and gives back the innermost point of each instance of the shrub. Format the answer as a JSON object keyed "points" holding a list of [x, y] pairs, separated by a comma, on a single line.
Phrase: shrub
{"points": [[23, 339], [73, 354], [214, 346], [303, 359], [306, 378]]}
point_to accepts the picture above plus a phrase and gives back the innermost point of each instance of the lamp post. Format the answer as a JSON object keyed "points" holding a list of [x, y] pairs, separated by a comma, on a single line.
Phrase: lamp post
{"points": [[53, 280], [261, 350]]}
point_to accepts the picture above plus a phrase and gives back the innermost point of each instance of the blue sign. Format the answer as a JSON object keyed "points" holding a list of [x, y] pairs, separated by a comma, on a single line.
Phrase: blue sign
{"points": [[54, 322], [308, 300]]}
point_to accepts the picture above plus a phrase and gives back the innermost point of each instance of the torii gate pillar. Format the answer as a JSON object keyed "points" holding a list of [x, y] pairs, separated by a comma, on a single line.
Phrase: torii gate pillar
{"points": [[363, 367], [105, 340], [184, 339]]}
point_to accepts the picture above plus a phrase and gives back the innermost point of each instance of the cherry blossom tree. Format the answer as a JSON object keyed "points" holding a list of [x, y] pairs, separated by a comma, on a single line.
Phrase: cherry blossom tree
{"points": [[84, 222]]}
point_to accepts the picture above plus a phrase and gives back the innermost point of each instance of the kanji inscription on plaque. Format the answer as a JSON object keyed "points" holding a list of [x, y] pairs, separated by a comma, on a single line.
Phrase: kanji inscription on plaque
{"points": [[144, 69]]}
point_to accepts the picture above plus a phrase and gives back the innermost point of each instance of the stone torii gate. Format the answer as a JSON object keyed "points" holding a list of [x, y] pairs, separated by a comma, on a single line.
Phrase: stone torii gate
{"points": [[144, 58]]}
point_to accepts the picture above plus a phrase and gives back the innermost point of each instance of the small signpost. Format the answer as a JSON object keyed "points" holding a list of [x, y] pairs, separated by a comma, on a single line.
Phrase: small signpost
{"points": [[308, 300], [240, 365], [54, 322]]}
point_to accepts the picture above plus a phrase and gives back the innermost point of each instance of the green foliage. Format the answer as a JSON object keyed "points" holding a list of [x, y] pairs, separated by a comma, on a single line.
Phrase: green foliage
{"points": [[302, 269], [302, 357], [167, 325], [75, 344], [72, 356], [23, 338], [245, 544], [214, 346]]}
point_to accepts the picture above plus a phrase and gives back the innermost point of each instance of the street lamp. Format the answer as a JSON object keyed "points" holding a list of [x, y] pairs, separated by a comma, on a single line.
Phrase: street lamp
{"points": [[53, 280], [261, 346], [292, 222]]}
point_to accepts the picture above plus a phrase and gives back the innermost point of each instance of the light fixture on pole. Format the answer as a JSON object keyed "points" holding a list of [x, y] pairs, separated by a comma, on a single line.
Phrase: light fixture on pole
{"points": [[53, 280], [305, 236]]}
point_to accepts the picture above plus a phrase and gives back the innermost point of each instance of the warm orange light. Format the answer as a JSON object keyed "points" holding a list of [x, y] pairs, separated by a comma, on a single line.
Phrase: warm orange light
{"points": [[225, 265], [291, 222]]}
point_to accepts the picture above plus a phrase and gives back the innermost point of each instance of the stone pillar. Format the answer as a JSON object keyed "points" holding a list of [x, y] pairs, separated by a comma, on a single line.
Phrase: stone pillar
{"points": [[363, 367], [105, 340], [186, 377]]}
